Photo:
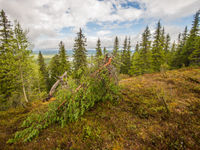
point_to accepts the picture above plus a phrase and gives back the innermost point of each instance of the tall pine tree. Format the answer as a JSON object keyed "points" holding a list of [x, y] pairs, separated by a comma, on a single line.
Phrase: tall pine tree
{"points": [[104, 51], [192, 43], [123, 57], [145, 52], [7, 60], [80, 57], [23, 60], [54, 69], [191, 40], [179, 57], [116, 47], [98, 49], [157, 49], [64, 63], [116, 54], [195, 56], [167, 49], [128, 57], [44, 76], [136, 65]]}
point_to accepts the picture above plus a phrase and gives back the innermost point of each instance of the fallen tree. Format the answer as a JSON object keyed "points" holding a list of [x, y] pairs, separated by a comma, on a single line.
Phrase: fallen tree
{"points": [[72, 102], [53, 88], [107, 63]]}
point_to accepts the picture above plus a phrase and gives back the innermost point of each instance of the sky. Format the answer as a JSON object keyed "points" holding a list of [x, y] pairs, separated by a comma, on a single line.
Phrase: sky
{"points": [[50, 21]]}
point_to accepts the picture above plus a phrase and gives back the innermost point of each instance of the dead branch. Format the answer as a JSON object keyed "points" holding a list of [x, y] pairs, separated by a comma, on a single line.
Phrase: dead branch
{"points": [[53, 88], [93, 75]]}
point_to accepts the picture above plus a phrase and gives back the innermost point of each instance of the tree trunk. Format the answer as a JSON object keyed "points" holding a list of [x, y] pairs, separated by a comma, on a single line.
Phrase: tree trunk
{"points": [[23, 86], [56, 84]]}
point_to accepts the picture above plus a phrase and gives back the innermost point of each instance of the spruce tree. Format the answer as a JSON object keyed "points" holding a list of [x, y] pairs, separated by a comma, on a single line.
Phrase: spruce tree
{"points": [[185, 36], [104, 51], [173, 48], [136, 65], [116, 55], [145, 52], [157, 49], [187, 45], [23, 60], [137, 47], [167, 44], [172, 54], [98, 49], [195, 56], [80, 57], [7, 60], [16, 70], [123, 57], [54, 69], [44, 76], [179, 57], [167, 49], [136, 50], [5, 31], [162, 38], [128, 56], [116, 47], [191, 41], [64, 63]]}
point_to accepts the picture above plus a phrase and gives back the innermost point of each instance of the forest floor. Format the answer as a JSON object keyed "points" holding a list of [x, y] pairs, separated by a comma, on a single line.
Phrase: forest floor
{"points": [[156, 111]]}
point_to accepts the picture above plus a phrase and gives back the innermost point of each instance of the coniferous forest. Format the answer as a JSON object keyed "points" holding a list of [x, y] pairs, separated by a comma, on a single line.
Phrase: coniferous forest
{"points": [[140, 97]]}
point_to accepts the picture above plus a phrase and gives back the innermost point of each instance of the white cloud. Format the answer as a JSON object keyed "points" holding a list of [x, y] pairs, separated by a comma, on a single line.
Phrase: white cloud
{"points": [[169, 9], [102, 33], [45, 18]]}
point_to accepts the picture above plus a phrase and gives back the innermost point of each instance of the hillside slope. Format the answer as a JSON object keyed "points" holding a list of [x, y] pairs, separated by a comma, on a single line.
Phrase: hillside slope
{"points": [[156, 111]]}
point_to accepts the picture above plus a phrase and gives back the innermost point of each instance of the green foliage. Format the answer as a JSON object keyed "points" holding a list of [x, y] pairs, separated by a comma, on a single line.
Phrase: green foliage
{"points": [[158, 56], [54, 69], [142, 57], [6, 58], [44, 76], [191, 41], [162, 54], [145, 52], [33, 125], [116, 54], [98, 49], [116, 47], [178, 55], [99, 89], [64, 63], [16, 72], [136, 64], [59, 64], [187, 49], [99, 56], [80, 58], [195, 55], [126, 57], [104, 51]]}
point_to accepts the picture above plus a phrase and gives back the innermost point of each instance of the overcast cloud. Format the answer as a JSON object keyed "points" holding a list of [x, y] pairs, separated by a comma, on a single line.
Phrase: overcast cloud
{"points": [[50, 21]]}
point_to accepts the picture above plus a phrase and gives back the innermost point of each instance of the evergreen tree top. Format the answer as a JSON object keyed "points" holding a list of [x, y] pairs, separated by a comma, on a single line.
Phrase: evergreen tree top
{"points": [[116, 46], [137, 47], [80, 56], [98, 48], [195, 25], [129, 44], [5, 30], [125, 44]]}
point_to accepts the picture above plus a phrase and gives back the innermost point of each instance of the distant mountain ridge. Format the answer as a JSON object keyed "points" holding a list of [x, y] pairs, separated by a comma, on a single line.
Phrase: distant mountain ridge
{"points": [[69, 52]]}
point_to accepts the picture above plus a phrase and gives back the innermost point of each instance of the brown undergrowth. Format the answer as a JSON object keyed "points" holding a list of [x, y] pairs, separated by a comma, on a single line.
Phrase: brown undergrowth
{"points": [[156, 111]]}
